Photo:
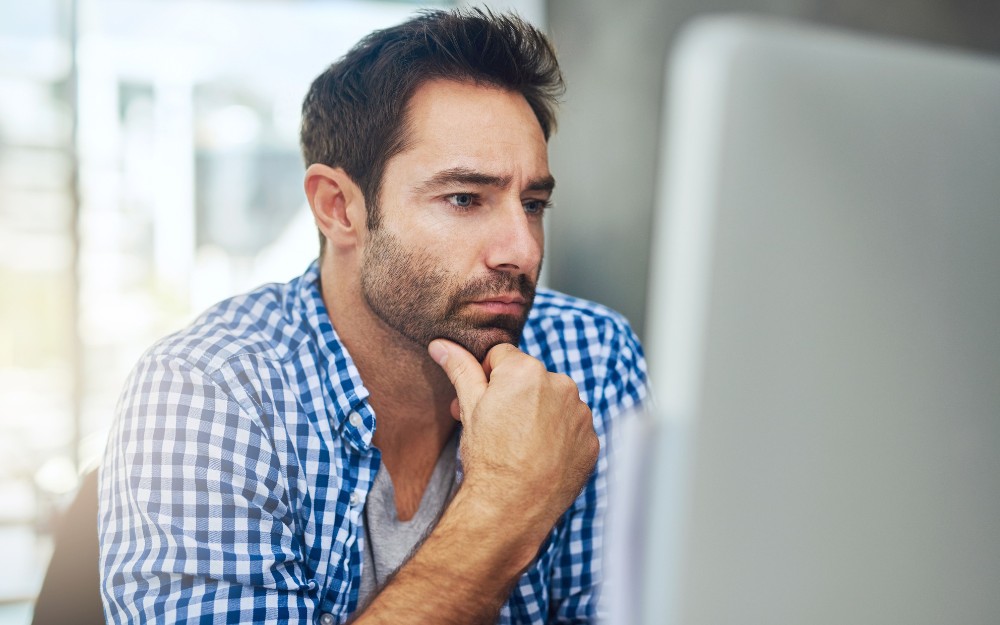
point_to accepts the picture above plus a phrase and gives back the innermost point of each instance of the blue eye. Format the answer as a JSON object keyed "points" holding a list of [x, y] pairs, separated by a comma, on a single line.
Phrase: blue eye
{"points": [[462, 200], [536, 207]]}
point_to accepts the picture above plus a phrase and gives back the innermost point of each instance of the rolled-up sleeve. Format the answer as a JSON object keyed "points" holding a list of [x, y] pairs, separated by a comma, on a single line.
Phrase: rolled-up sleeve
{"points": [[195, 520]]}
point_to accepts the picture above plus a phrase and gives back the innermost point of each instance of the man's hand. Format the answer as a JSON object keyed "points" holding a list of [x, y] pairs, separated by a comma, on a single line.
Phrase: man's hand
{"points": [[528, 442], [528, 447]]}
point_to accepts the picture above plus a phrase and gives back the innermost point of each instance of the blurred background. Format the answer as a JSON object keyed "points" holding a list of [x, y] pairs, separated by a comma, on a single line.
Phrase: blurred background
{"points": [[149, 167]]}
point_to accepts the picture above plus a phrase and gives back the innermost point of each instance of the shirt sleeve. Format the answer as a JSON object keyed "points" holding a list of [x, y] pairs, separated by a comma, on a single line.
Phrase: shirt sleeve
{"points": [[576, 574], [195, 520]]}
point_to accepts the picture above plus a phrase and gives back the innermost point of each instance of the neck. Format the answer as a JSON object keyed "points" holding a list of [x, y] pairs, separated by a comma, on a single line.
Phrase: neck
{"points": [[408, 391]]}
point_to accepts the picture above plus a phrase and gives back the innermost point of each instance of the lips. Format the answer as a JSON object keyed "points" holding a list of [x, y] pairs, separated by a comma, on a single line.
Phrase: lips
{"points": [[496, 294], [502, 299], [507, 304]]}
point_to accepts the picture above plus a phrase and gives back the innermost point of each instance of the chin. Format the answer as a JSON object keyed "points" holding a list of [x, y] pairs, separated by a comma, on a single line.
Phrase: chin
{"points": [[480, 341]]}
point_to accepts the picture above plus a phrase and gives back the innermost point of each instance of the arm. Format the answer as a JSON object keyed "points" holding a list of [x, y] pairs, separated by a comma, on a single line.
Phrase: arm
{"points": [[195, 520], [528, 447]]}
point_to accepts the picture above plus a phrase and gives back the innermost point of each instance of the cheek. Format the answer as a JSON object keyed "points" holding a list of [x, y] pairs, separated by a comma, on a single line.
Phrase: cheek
{"points": [[456, 248]]}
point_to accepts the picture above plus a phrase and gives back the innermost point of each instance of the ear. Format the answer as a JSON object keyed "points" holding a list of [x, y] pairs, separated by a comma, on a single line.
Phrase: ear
{"points": [[337, 204]]}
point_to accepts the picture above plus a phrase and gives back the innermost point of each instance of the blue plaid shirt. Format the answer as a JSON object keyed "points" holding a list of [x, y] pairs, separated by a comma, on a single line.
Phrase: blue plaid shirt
{"points": [[241, 456]]}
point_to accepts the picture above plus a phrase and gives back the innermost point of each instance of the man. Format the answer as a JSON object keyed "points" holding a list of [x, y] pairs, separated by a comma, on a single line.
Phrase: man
{"points": [[366, 442]]}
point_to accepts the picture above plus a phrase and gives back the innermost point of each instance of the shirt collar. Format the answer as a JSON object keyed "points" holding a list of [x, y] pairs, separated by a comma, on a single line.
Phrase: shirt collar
{"points": [[346, 393]]}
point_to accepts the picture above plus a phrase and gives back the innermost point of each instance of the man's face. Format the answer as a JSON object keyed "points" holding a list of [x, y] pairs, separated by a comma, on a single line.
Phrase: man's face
{"points": [[459, 247]]}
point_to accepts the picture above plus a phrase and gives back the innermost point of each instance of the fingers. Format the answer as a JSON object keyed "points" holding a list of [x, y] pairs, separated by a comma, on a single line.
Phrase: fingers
{"points": [[462, 368], [496, 355]]}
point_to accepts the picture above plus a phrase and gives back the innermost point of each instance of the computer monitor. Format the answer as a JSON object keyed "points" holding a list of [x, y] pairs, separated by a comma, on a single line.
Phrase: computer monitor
{"points": [[823, 338]]}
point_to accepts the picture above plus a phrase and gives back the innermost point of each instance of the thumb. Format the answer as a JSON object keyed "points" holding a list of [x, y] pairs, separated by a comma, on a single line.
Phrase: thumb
{"points": [[464, 371]]}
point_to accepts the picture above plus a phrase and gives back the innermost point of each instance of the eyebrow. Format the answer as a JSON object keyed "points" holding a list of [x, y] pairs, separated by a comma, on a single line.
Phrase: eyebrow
{"points": [[464, 175]]}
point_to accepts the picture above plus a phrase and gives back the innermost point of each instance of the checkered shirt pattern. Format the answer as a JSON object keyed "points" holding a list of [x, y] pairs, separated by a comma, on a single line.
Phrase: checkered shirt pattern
{"points": [[241, 456]]}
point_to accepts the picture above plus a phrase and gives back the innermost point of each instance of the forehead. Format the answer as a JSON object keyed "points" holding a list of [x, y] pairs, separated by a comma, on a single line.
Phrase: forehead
{"points": [[461, 124]]}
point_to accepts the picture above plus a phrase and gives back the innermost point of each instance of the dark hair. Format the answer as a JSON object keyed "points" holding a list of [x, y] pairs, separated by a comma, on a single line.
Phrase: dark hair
{"points": [[354, 114]]}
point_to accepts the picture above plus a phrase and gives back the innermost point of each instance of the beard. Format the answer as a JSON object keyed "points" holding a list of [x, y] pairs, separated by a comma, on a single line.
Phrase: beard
{"points": [[422, 301]]}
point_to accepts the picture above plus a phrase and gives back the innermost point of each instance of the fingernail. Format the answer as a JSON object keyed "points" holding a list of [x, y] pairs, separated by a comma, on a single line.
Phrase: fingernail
{"points": [[438, 352]]}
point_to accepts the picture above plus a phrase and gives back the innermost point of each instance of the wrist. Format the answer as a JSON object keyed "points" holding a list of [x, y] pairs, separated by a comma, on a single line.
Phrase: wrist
{"points": [[514, 526]]}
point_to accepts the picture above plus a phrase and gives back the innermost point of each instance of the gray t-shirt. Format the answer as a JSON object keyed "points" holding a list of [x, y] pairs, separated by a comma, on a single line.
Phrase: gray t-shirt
{"points": [[389, 541]]}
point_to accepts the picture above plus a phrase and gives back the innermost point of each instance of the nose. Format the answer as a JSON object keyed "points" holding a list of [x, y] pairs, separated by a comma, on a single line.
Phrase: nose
{"points": [[516, 240]]}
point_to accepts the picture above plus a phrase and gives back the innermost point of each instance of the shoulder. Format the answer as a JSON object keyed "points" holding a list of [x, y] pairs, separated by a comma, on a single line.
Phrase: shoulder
{"points": [[563, 323], [261, 324], [236, 356], [552, 308], [217, 380], [590, 342]]}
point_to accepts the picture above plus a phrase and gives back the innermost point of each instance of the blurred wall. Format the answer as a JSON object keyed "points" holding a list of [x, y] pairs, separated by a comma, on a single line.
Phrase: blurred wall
{"points": [[605, 153]]}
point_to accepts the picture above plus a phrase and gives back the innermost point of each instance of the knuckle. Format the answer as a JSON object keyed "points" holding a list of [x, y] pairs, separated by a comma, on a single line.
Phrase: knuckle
{"points": [[510, 348], [533, 366], [592, 444], [565, 387], [529, 371], [502, 349], [566, 383]]}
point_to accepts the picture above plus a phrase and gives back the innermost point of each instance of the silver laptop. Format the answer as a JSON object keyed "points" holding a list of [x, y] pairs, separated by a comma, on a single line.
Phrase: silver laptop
{"points": [[824, 339]]}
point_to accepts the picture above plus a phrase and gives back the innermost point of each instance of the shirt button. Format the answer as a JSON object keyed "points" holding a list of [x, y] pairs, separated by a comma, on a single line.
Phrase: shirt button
{"points": [[355, 498], [326, 619], [355, 419]]}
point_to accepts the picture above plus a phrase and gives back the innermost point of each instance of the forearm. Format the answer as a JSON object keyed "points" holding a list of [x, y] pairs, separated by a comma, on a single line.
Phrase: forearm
{"points": [[464, 570], [528, 447]]}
